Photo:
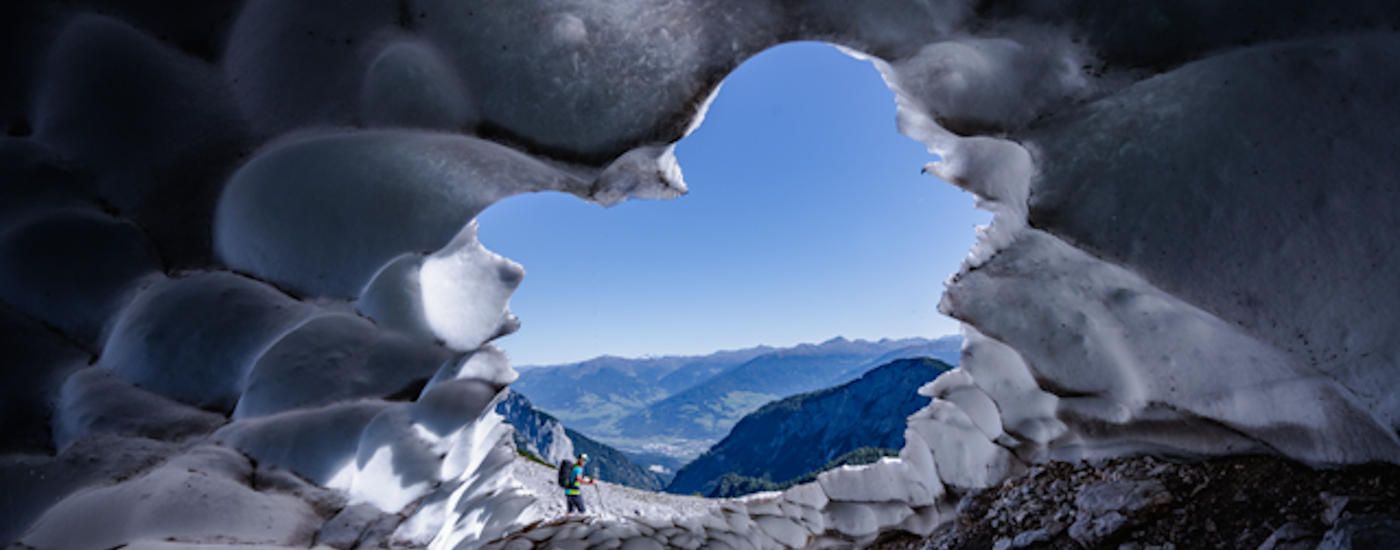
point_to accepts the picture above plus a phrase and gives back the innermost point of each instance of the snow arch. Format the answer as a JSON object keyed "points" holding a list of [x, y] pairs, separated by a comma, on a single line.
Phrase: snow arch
{"points": [[1181, 256]]}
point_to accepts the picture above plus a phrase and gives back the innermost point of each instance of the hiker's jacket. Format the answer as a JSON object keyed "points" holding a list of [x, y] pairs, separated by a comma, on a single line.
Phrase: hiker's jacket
{"points": [[574, 477]]}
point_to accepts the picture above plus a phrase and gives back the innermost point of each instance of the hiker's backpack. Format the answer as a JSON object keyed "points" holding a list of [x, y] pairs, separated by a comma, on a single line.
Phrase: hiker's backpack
{"points": [[566, 471]]}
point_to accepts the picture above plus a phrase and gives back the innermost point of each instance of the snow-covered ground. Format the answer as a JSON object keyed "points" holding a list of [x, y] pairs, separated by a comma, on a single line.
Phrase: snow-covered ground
{"points": [[605, 500]]}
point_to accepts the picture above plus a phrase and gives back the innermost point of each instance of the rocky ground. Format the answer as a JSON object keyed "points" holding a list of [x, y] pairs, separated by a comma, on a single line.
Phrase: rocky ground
{"points": [[1142, 503]]}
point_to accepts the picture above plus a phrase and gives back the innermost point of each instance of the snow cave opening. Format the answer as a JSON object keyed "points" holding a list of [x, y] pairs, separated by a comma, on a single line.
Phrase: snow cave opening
{"points": [[807, 218], [247, 304]]}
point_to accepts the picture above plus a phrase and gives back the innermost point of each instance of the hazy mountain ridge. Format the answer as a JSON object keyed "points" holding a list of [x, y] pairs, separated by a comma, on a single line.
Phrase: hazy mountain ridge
{"points": [[592, 394], [644, 407], [706, 412], [787, 439]]}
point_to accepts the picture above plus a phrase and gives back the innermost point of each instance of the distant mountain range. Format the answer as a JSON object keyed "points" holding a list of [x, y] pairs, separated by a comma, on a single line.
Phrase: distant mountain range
{"points": [[541, 436], [678, 406], [792, 439], [594, 394]]}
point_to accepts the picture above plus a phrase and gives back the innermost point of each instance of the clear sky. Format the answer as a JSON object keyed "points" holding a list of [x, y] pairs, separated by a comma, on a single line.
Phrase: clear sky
{"points": [[807, 218]]}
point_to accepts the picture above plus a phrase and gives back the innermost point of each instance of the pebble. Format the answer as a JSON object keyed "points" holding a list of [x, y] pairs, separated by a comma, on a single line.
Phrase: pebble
{"points": [[1089, 531], [1044, 534], [1332, 507], [1291, 536]]}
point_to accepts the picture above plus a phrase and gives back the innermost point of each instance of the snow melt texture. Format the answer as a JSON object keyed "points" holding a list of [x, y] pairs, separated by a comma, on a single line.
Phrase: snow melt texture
{"points": [[244, 303]]}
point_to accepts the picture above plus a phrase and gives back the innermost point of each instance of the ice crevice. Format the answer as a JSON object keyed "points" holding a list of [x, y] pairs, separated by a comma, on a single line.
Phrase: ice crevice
{"points": [[237, 231]]}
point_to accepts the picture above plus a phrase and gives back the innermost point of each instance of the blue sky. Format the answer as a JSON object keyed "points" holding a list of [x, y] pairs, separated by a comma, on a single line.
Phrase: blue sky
{"points": [[807, 218]]}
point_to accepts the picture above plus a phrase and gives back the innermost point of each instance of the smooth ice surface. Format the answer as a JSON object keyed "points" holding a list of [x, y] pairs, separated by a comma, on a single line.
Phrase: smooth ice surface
{"points": [[487, 363], [342, 197], [973, 84], [883, 481], [394, 298], [335, 358], [292, 65], [205, 364], [156, 128], [1113, 366], [408, 84], [37, 362], [157, 105], [585, 100], [34, 483], [197, 497], [1335, 241], [74, 269], [95, 401], [36, 182], [318, 444]]}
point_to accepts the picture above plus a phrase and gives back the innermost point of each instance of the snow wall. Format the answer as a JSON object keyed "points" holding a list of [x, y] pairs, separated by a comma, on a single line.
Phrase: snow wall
{"points": [[243, 301]]}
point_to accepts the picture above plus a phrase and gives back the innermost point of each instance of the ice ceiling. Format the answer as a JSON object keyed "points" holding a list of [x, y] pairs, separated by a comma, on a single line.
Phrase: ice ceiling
{"points": [[243, 300]]}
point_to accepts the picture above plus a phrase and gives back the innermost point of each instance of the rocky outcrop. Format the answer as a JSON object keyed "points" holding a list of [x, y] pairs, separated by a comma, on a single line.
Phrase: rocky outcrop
{"points": [[544, 438], [536, 433], [1244, 502]]}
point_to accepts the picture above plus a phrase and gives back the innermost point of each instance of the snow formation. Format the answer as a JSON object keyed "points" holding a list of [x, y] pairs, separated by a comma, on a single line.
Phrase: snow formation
{"points": [[238, 271]]}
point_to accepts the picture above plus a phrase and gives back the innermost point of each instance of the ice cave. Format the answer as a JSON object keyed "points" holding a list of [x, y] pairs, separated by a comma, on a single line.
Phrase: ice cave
{"points": [[244, 303]]}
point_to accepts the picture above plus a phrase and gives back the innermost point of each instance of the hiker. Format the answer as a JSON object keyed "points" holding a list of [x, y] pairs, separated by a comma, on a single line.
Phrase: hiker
{"points": [[571, 478]]}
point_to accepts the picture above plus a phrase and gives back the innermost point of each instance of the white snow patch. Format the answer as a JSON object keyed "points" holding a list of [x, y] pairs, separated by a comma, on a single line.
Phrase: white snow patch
{"points": [[466, 291]]}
